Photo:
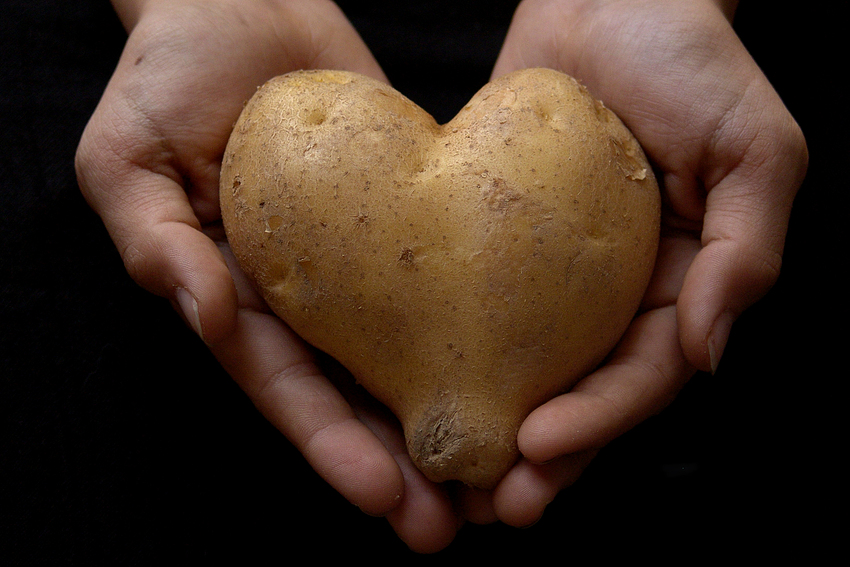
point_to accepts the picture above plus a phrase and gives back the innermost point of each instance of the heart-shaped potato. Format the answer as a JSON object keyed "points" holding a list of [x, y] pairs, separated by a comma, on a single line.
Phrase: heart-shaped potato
{"points": [[463, 273]]}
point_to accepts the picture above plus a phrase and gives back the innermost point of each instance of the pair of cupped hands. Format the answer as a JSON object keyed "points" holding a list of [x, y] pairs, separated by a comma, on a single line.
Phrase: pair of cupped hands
{"points": [[729, 157]]}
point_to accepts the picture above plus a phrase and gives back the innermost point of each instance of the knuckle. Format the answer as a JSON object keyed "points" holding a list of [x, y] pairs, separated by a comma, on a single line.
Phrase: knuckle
{"points": [[140, 263], [764, 266]]}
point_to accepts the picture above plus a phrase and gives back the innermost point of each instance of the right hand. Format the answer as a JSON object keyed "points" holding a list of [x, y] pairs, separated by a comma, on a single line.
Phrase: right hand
{"points": [[148, 163]]}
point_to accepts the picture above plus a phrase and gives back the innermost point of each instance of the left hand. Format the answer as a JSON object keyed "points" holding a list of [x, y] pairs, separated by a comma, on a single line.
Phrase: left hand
{"points": [[730, 160]]}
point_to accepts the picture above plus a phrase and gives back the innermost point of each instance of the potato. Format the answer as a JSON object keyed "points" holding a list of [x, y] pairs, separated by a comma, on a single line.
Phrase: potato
{"points": [[464, 273]]}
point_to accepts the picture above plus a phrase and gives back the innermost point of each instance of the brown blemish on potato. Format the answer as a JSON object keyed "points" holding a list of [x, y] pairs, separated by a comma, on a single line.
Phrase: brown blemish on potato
{"points": [[497, 196], [361, 218], [437, 437], [406, 257], [315, 117], [245, 125], [273, 223], [447, 442], [625, 155], [240, 205], [602, 113]]}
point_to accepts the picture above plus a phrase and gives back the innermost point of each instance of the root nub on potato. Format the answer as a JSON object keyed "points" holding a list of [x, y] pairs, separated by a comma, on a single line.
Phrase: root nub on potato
{"points": [[464, 273]]}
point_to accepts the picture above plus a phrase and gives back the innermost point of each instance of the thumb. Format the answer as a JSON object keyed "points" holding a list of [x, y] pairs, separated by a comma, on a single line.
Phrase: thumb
{"points": [[150, 219], [744, 229]]}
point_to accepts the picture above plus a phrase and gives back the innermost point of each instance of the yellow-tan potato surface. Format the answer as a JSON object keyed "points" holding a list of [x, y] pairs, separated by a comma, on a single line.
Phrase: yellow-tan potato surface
{"points": [[464, 273]]}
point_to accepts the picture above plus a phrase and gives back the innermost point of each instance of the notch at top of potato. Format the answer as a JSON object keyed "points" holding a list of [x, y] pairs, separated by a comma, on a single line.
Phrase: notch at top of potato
{"points": [[464, 273]]}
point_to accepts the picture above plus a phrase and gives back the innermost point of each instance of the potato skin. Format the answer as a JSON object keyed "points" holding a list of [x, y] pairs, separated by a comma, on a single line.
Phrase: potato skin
{"points": [[463, 273]]}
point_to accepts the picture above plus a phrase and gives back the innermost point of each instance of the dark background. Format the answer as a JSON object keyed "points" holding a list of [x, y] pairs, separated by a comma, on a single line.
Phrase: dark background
{"points": [[123, 443]]}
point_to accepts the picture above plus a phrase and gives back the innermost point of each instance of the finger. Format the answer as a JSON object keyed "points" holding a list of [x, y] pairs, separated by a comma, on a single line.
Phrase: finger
{"points": [[746, 221], [642, 376], [524, 493], [522, 496], [525, 45], [676, 251], [280, 376], [424, 518], [155, 230], [476, 505], [330, 39]]}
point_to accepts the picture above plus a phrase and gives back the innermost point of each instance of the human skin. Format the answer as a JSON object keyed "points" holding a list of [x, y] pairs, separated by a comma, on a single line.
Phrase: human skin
{"points": [[728, 153]]}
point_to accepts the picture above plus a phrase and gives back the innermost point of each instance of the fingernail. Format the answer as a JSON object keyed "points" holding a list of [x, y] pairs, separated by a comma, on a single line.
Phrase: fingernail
{"points": [[717, 339], [535, 522], [189, 306], [712, 356]]}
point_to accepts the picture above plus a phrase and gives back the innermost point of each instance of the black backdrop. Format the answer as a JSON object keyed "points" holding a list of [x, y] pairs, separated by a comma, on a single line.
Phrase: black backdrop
{"points": [[122, 443]]}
